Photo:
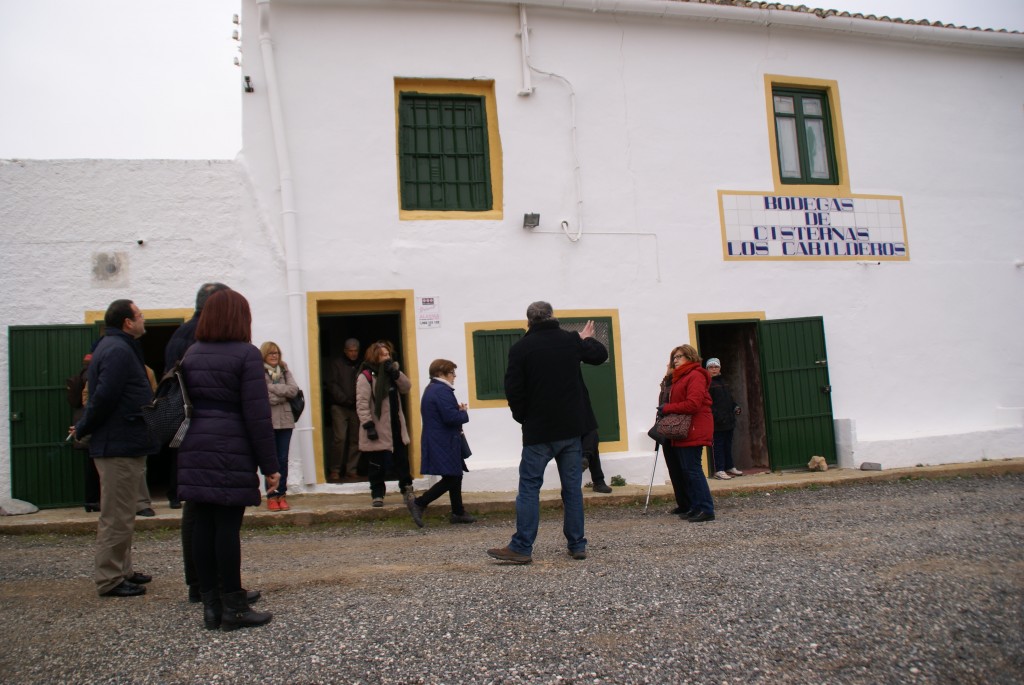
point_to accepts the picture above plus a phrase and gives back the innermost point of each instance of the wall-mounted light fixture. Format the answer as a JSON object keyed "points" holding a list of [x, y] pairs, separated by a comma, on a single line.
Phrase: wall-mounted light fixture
{"points": [[248, 86], [531, 221]]}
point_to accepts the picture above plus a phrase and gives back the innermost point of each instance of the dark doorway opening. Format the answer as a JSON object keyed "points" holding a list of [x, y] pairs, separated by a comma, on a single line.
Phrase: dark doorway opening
{"points": [[735, 344], [367, 328], [158, 466]]}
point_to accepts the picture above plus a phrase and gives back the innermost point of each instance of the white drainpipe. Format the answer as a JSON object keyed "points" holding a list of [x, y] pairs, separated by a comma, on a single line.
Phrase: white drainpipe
{"points": [[296, 293]]}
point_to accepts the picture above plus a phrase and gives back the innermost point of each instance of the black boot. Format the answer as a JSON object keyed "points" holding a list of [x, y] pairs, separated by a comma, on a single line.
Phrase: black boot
{"points": [[237, 613], [211, 609]]}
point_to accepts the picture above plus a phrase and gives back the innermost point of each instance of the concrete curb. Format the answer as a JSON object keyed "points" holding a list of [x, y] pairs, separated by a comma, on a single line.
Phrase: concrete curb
{"points": [[323, 508]]}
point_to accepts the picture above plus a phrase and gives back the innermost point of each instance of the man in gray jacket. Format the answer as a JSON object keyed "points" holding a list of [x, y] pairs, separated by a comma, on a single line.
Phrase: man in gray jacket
{"points": [[118, 387]]}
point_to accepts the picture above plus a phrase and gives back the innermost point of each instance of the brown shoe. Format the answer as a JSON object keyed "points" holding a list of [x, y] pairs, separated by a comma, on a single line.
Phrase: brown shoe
{"points": [[507, 555], [334, 477]]}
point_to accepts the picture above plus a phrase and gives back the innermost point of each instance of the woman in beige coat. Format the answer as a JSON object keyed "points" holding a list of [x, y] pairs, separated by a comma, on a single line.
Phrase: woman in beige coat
{"points": [[282, 387], [383, 435]]}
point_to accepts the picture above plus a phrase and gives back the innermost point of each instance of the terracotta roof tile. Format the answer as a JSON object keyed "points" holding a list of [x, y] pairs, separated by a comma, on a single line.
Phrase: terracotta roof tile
{"points": [[822, 12]]}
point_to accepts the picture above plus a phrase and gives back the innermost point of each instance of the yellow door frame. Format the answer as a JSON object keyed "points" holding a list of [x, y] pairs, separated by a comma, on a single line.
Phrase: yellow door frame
{"points": [[399, 302]]}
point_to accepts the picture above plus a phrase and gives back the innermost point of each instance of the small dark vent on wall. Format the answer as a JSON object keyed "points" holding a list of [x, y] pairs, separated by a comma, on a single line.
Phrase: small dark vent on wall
{"points": [[109, 269]]}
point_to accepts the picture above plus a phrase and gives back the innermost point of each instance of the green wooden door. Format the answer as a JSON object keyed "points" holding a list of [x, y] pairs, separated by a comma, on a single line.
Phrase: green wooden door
{"points": [[600, 380], [45, 470], [797, 393]]}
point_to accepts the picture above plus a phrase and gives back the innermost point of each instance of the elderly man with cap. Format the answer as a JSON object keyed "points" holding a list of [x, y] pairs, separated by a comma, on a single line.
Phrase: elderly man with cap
{"points": [[724, 410]]}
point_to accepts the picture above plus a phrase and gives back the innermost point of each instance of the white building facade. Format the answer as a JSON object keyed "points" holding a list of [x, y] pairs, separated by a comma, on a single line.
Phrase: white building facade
{"points": [[831, 205]]}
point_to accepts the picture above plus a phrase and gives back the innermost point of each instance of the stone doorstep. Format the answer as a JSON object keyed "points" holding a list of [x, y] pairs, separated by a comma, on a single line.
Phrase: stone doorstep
{"points": [[314, 508]]}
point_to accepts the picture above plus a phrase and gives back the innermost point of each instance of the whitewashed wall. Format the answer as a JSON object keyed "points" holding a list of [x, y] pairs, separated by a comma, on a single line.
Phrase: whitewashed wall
{"points": [[197, 221], [921, 354]]}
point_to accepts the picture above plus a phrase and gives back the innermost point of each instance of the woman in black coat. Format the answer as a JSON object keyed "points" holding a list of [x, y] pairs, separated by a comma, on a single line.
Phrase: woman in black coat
{"points": [[230, 437], [724, 410], [441, 443]]}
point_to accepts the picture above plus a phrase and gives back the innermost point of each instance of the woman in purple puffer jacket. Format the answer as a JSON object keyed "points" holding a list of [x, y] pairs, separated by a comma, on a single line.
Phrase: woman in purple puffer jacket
{"points": [[230, 437]]}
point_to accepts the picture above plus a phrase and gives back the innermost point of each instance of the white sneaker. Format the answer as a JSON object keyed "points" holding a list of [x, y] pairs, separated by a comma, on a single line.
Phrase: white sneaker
{"points": [[722, 475], [734, 472]]}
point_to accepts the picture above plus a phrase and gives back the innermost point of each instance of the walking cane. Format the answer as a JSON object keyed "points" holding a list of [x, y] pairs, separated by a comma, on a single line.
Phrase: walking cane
{"points": [[653, 469]]}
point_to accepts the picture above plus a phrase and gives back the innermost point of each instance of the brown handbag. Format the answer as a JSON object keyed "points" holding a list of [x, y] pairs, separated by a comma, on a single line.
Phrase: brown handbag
{"points": [[674, 426], [670, 426]]}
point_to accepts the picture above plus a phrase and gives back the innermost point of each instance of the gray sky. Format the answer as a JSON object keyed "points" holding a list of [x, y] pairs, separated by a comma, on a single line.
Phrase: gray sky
{"points": [[155, 79]]}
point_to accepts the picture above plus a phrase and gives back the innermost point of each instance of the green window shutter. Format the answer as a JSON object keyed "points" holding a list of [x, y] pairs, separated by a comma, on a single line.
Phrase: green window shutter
{"points": [[443, 152], [490, 356], [803, 134]]}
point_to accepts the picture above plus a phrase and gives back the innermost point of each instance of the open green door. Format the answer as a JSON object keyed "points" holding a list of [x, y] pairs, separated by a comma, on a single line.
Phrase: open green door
{"points": [[45, 470], [797, 393]]}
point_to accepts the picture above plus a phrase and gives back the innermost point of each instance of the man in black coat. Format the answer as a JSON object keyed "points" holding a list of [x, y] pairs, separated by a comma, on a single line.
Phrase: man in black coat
{"points": [[545, 392], [119, 443]]}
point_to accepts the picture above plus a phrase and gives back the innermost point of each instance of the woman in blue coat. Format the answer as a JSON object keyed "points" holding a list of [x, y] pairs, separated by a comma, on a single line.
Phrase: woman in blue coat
{"points": [[442, 442], [229, 439]]}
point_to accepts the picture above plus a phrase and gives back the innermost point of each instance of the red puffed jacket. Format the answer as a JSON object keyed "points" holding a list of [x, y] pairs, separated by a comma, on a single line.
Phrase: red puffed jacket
{"points": [[689, 395]]}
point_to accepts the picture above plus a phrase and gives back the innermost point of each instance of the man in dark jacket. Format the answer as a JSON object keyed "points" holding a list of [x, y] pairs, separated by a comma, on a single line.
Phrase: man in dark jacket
{"points": [[341, 390], [119, 443], [546, 394]]}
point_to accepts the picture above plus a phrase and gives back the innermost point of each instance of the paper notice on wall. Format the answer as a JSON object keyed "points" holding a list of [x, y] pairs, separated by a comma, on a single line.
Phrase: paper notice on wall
{"points": [[428, 312]]}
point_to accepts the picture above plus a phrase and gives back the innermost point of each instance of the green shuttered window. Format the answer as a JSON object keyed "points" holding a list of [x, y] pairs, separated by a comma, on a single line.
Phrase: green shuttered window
{"points": [[490, 356], [443, 153], [803, 131]]}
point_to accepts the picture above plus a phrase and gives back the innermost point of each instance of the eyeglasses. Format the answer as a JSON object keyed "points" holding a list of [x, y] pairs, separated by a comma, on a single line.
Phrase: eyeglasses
{"points": [[273, 354], [677, 357]]}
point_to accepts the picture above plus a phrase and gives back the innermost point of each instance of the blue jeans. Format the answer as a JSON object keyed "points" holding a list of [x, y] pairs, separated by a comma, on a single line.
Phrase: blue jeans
{"points": [[283, 440], [567, 455], [697, 484], [722, 450]]}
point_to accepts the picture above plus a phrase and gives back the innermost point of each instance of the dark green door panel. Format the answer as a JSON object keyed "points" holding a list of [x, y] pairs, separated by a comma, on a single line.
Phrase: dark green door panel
{"points": [[601, 380], [45, 470], [797, 393]]}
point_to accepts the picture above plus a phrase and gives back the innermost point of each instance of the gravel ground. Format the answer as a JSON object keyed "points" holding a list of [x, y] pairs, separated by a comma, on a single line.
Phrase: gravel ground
{"points": [[916, 581]]}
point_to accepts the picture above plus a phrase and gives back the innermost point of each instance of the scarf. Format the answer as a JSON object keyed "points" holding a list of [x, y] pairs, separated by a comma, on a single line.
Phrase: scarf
{"points": [[381, 385], [683, 369], [275, 372]]}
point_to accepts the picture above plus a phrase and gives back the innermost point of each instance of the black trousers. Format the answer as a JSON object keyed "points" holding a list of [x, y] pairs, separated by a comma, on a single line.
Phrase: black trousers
{"points": [[677, 474], [188, 525], [592, 455], [217, 546], [450, 484], [92, 479], [384, 465]]}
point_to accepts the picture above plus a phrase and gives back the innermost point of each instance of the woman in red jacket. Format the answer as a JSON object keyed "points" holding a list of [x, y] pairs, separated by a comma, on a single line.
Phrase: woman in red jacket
{"points": [[689, 395]]}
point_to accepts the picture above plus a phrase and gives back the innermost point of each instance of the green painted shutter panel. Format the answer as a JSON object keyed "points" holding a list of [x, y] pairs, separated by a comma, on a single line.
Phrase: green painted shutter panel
{"points": [[45, 470], [444, 157], [797, 393], [601, 380], [490, 356]]}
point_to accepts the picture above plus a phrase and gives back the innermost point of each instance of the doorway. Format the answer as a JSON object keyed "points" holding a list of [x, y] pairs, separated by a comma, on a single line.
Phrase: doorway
{"points": [[367, 316], [778, 373], [735, 345], [45, 469]]}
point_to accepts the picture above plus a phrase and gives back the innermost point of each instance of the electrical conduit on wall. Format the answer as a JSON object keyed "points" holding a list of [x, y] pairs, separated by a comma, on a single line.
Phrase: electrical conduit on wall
{"points": [[296, 293]]}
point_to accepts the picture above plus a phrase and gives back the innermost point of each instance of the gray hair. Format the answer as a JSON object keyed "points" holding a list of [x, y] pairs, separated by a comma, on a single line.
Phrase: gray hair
{"points": [[205, 290], [539, 311], [352, 342]]}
